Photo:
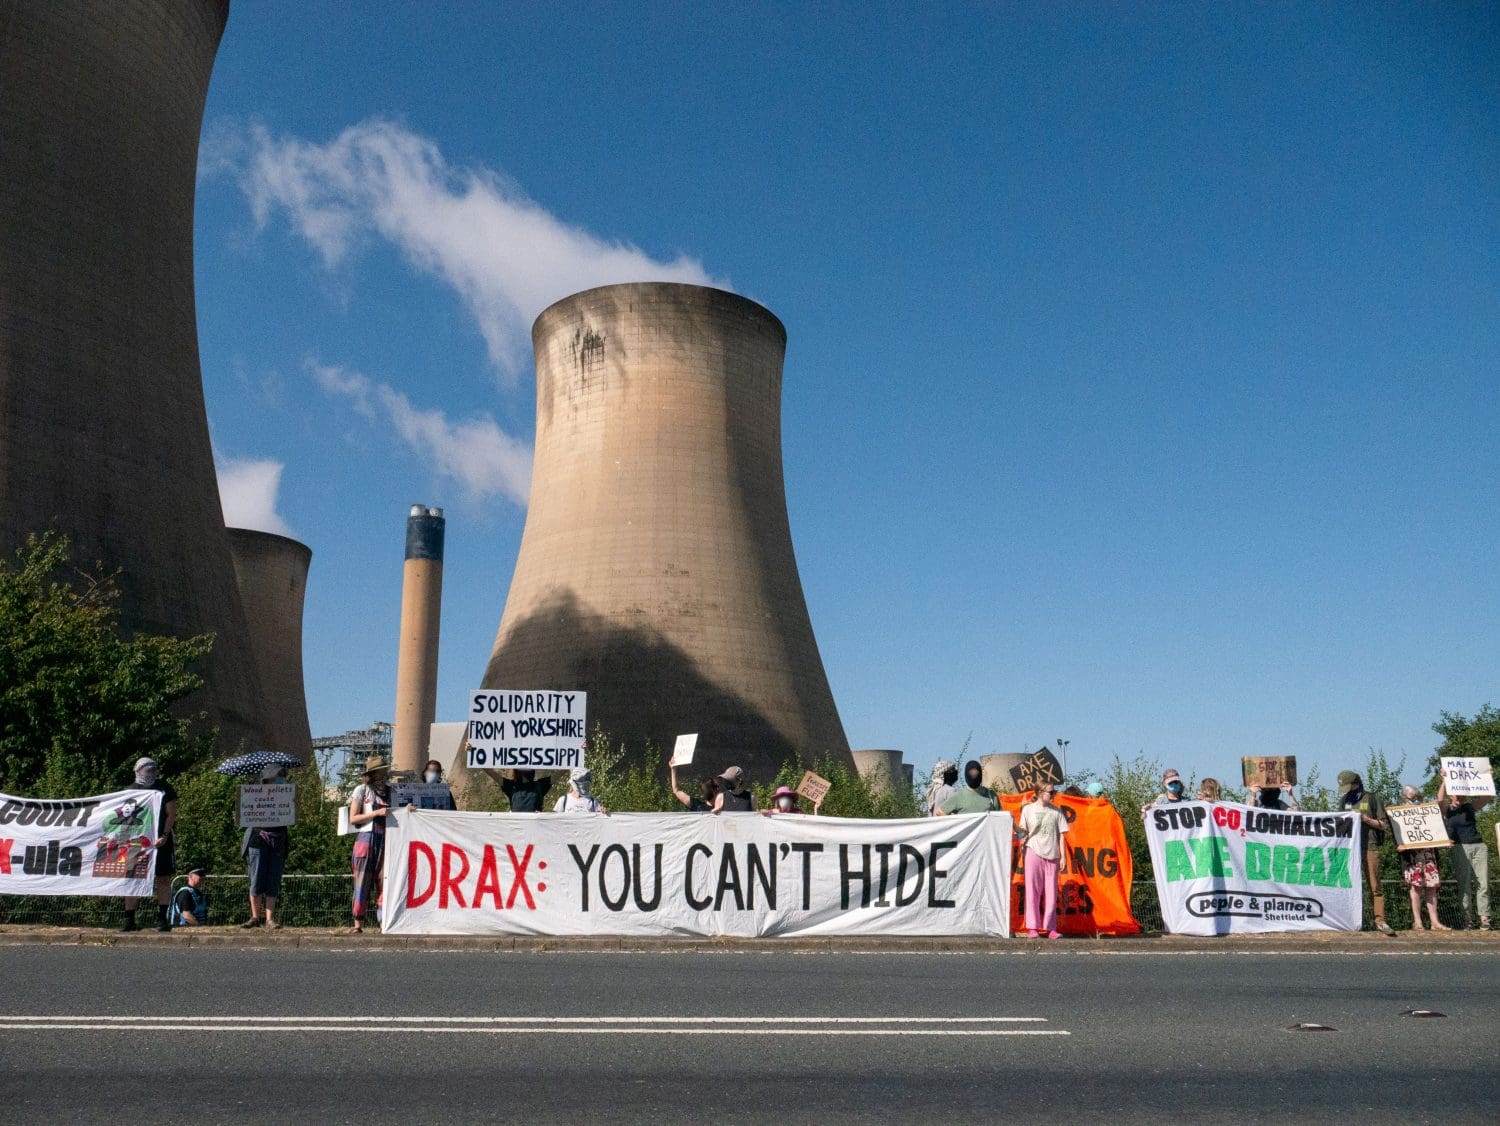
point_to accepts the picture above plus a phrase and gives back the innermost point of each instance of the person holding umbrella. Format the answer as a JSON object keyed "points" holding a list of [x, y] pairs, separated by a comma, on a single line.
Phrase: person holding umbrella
{"points": [[264, 848], [367, 809]]}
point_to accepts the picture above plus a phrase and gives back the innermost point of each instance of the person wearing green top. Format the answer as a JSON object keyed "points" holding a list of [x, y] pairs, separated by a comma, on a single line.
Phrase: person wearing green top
{"points": [[972, 797], [1354, 796]]}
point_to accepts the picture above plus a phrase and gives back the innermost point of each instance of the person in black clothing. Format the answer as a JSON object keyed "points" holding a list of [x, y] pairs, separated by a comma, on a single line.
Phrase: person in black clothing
{"points": [[732, 796], [146, 778], [703, 802], [1470, 855], [190, 904], [525, 791]]}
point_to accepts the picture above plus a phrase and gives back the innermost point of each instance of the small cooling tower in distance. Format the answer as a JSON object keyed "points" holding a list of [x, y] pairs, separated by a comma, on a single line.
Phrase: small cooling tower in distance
{"points": [[271, 572]]}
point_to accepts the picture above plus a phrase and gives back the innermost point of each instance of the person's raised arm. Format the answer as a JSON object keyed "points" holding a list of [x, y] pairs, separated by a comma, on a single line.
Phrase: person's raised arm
{"points": [[677, 793]]}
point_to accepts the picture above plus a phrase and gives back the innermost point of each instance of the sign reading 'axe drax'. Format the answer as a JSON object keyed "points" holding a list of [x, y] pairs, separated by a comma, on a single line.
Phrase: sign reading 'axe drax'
{"points": [[1041, 767]]}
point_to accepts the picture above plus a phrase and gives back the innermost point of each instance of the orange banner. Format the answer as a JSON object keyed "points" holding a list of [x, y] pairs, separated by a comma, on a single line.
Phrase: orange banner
{"points": [[1093, 894]]}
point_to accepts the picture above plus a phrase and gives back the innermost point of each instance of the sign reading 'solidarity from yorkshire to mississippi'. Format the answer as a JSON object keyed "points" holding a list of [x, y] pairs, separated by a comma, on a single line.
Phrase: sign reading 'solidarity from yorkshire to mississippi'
{"points": [[104, 845], [527, 730], [1231, 869]]}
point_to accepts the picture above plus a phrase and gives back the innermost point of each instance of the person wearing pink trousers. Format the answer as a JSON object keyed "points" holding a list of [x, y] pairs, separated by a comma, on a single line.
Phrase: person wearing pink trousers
{"points": [[1040, 836]]}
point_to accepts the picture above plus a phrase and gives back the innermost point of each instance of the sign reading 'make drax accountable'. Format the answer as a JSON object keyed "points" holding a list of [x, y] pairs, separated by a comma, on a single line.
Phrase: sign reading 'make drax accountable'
{"points": [[527, 730], [666, 874], [103, 845], [1230, 869]]}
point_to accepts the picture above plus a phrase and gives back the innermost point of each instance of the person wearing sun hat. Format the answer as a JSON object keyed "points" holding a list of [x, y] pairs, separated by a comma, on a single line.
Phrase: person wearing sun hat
{"points": [[784, 802], [733, 797], [368, 805]]}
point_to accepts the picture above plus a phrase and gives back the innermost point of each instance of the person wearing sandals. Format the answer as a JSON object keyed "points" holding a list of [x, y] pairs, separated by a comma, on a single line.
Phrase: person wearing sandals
{"points": [[1040, 833], [265, 853], [1419, 872], [367, 809]]}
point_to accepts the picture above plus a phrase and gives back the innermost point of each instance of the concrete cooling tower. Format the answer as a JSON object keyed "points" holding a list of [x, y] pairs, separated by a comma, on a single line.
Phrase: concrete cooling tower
{"points": [[271, 573], [656, 569], [103, 432]]}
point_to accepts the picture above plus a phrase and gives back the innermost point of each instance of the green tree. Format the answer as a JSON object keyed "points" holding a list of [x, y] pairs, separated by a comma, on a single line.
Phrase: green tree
{"points": [[1468, 738], [80, 700]]}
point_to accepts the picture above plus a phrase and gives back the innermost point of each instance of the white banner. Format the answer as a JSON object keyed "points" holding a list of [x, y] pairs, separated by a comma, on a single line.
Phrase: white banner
{"points": [[102, 845], [695, 874], [423, 795], [266, 805], [1230, 869], [530, 730]]}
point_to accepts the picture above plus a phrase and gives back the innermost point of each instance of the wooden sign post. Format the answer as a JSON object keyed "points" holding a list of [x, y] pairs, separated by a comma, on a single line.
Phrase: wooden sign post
{"points": [[1419, 825], [814, 787], [1268, 772]]}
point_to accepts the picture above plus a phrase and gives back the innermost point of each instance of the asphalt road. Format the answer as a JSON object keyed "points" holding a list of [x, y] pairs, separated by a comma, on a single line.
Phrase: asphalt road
{"points": [[801, 1037]]}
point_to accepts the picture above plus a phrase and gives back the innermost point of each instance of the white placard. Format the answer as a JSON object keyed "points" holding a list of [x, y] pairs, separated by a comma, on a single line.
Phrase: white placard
{"points": [[1419, 825], [1468, 777], [667, 874], [533, 730], [423, 795], [682, 752], [104, 845], [265, 806], [1223, 868]]}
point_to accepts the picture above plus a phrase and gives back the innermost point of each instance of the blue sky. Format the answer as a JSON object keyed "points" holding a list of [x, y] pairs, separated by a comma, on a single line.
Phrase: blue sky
{"points": [[1141, 386]]}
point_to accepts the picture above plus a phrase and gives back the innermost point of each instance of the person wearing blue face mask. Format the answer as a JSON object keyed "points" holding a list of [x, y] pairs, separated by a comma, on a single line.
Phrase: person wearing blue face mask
{"points": [[1172, 790]]}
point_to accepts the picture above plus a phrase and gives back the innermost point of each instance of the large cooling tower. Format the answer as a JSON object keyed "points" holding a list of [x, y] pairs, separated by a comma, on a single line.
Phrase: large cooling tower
{"points": [[656, 569], [102, 426], [271, 573]]}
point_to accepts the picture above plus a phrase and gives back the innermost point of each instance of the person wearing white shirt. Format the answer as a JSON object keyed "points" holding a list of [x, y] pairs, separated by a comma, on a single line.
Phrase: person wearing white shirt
{"points": [[1041, 832]]}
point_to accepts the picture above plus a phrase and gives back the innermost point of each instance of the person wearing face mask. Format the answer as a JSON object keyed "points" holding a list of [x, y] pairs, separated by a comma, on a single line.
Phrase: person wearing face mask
{"points": [[367, 809], [524, 791], [1419, 872], [432, 774], [265, 851], [1040, 834], [784, 802], [147, 778], [1172, 790], [944, 775], [578, 799], [973, 796], [1352, 795]]}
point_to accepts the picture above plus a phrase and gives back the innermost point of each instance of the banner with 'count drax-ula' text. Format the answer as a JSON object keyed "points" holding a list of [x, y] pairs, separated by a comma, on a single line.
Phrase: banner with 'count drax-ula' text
{"points": [[1230, 869], [103, 845], [695, 874]]}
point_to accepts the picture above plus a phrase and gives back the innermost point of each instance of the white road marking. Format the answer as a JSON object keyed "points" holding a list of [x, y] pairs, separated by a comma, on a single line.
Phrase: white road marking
{"points": [[633, 1030], [540, 1020]]}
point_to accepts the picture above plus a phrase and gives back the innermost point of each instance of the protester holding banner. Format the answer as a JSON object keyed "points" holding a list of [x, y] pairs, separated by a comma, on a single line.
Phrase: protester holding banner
{"points": [[166, 861], [973, 796], [265, 851], [1172, 790], [703, 801], [1371, 809], [784, 801], [1275, 797], [1419, 872], [525, 791], [733, 797], [1210, 790], [940, 789], [1471, 856], [578, 799], [1040, 833], [367, 809], [432, 775]]}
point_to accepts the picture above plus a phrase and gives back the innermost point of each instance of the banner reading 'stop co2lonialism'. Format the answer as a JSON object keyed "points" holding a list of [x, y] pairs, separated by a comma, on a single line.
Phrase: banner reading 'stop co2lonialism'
{"points": [[1230, 869], [672, 874]]}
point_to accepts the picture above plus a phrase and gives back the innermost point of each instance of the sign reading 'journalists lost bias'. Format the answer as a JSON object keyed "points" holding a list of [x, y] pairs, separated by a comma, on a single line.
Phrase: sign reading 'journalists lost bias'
{"points": [[1230, 869], [527, 730], [656, 874], [103, 845]]}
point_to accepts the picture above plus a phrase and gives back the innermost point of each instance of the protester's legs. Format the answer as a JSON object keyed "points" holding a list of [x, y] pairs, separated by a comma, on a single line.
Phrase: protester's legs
{"points": [[1478, 856], [1033, 891], [1416, 906], [1463, 876], [1430, 897], [1049, 895], [1372, 878], [257, 905]]}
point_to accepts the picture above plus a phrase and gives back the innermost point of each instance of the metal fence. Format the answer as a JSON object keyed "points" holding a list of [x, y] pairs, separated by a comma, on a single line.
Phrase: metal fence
{"points": [[324, 901]]}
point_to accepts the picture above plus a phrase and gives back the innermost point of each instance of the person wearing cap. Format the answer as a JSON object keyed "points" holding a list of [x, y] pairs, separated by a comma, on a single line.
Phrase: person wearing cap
{"points": [[703, 800], [1172, 790], [1094, 789], [265, 851], [784, 802], [525, 791], [940, 789], [1419, 872], [973, 796], [147, 778], [578, 799], [1471, 856], [190, 904], [733, 797], [1371, 809], [368, 805]]}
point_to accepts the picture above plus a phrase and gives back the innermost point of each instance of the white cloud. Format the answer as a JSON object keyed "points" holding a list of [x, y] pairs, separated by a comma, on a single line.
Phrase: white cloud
{"points": [[504, 255], [475, 452], [248, 490]]}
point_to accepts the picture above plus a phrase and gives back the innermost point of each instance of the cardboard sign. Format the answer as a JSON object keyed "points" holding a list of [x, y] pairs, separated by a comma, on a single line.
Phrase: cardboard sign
{"points": [[423, 795], [1418, 826], [529, 730], [266, 806], [1468, 777], [1268, 772], [814, 787], [682, 752], [1041, 767]]}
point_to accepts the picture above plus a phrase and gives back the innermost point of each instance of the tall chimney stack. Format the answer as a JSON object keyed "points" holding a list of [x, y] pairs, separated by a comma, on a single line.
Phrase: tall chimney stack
{"points": [[417, 661]]}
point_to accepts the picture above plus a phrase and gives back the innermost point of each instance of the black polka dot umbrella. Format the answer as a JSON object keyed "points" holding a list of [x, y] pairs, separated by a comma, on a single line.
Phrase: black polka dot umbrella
{"points": [[252, 764]]}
